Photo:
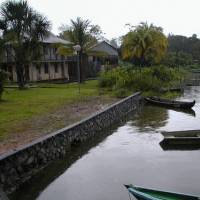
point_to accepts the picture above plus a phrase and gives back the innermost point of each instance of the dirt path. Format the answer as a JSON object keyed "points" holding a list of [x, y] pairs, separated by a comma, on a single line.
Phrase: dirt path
{"points": [[36, 127]]}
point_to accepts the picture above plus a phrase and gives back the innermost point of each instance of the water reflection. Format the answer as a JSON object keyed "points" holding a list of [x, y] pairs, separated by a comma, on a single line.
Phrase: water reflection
{"points": [[154, 117], [30, 191], [151, 118], [186, 111], [128, 154], [32, 188]]}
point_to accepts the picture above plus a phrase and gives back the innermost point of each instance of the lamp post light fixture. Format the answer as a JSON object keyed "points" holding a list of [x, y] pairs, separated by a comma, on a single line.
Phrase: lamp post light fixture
{"points": [[77, 49]]}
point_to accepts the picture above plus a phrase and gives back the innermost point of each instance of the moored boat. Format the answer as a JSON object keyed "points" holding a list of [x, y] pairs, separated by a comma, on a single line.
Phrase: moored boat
{"points": [[187, 137], [151, 194], [170, 103]]}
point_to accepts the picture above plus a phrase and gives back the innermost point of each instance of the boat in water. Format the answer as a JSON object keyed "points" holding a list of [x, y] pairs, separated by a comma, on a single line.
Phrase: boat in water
{"points": [[190, 138], [141, 193], [170, 103]]}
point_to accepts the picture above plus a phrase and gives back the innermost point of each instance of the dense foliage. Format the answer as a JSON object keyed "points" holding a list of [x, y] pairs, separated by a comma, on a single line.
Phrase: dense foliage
{"points": [[183, 50], [22, 28], [144, 45], [80, 32], [122, 80], [177, 59]]}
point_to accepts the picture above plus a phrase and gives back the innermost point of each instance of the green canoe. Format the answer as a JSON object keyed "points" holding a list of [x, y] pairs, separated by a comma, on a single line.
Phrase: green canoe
{"points": [[150, 194]]}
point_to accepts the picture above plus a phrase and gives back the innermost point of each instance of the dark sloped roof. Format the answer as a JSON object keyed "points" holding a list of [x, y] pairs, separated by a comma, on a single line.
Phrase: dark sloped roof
{"points": [[104, 47]]}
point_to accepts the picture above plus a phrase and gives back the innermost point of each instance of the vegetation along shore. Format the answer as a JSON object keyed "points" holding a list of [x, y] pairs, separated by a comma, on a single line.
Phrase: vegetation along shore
{"points": [[31, 104]]}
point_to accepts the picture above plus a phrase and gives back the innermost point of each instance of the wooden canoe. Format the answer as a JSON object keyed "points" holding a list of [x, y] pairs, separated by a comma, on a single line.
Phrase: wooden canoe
{"points": [[151, 194], [170, 103], [187, 137]]}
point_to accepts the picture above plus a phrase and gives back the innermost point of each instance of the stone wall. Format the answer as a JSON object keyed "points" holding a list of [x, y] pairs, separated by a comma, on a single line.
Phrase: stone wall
{"points": [[18, 166]]}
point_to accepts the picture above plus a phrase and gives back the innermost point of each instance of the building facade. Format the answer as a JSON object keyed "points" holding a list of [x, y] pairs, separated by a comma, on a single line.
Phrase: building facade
{"points": [[103, 55], [50, 65]]}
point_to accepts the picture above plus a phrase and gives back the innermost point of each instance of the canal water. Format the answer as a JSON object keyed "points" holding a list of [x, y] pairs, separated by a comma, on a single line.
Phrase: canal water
{"points": [[130, 153]]}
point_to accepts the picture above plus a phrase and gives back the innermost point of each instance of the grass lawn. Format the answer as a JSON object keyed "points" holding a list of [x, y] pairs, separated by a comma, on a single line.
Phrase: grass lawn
{"points": [[20, 105]]}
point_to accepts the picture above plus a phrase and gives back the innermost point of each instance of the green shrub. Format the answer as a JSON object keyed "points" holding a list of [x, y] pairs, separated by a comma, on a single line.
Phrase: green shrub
{"points": [[162, 73], [121, 93], [128, 78], [108, 78]]}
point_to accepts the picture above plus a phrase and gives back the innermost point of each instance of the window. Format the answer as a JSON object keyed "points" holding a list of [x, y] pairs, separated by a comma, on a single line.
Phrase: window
{"points": [[46, 68], [56, 67]]}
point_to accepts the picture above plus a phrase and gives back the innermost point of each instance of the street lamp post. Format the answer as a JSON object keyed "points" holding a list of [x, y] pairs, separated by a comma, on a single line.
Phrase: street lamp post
{"points": [[77, 49]]}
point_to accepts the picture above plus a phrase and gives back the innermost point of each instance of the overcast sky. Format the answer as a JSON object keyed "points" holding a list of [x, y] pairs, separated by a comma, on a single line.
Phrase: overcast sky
{"points": [[175, 16]]}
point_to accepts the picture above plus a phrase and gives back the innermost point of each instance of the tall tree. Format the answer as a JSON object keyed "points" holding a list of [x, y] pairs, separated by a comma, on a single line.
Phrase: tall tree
{"points": [[80, 32], [144, 44], [3, 74], [177, 59], [179, 44], [22, 28]]}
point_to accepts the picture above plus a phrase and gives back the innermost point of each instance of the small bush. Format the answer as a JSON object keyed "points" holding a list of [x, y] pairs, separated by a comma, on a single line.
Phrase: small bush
{"points": [[108, 78], [128, 78], [121, 93]]}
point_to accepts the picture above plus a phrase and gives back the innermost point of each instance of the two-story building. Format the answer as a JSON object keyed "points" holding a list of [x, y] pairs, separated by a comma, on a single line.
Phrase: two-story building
{"points": [[50, 65]]}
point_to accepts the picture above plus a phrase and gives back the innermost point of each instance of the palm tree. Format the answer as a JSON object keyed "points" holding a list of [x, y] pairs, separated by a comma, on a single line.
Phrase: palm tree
{"points": [[22, 28], [80, 32], [145, 43]]}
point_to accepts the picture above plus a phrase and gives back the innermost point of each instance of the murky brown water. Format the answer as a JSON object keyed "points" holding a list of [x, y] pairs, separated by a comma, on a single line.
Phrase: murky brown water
{"points": [[130, 154]]}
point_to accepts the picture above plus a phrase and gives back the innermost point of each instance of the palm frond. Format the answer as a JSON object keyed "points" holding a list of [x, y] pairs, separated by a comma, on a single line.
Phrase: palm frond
{"points": [[65, 51]]}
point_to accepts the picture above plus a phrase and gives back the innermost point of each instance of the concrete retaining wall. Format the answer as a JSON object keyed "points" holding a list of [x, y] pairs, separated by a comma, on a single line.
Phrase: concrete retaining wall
{"points": [[20, 165]]}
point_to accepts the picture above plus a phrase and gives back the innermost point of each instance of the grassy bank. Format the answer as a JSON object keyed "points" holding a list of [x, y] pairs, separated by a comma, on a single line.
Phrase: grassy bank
{"points": [[150, 80], [23, 105], [28, 114]]}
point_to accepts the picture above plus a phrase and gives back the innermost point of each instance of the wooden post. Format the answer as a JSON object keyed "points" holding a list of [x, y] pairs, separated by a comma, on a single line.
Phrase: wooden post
{"points": [[78, 71]]}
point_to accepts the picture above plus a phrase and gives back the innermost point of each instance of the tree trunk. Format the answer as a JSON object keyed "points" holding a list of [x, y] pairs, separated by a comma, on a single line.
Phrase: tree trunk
{"points": [[20, 76]]}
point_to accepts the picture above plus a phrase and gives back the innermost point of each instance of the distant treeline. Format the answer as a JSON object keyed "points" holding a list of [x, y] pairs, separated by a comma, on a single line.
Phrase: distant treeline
{"points": [[182, 50]]}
